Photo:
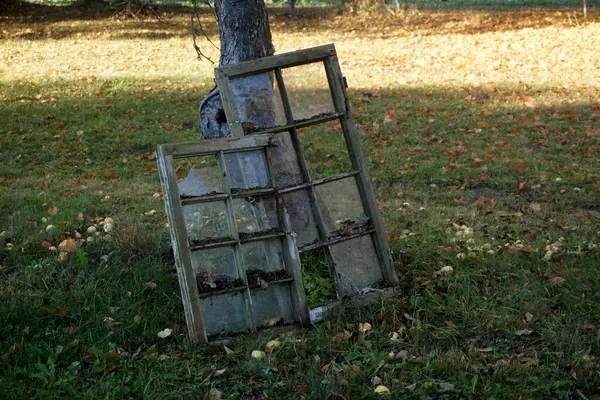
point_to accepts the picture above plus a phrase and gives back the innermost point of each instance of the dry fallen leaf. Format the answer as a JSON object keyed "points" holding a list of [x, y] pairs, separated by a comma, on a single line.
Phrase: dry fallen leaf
{"points": [[557, 280], [342, 336], [535, 207], [522, 186], [67, 246], [519, 249], [528, 317], [108, 321], [214, 394], [446, 387], [364, 327], [523, 332], [165, 333]]}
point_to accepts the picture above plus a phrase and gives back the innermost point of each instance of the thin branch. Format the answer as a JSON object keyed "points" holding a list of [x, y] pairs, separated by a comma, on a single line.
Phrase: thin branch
{"points": [[197, 30]]}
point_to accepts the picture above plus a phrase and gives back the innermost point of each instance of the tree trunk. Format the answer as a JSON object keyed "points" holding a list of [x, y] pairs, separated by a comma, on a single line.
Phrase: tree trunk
{"points": [[244, 30], [245, 35]]}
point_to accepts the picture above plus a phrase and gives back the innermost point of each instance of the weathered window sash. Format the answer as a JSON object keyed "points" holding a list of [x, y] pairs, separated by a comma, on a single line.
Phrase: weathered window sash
{"points": [[326, 56], [198, 331]]}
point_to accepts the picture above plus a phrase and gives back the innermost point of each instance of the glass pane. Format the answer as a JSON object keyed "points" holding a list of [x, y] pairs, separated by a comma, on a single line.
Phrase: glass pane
{"points": [[264, 262], [341, 206], [206, 222], [258, 102], [197, 176], [255, 215], [285, 167], [225, 313], [356, 265], [325, 150], [308, 91], [215, 262], [298, 208], [247, 170], [273, 305]]}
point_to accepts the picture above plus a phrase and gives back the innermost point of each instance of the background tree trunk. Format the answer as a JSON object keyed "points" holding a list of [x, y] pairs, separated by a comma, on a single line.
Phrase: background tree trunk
{"points": [[244, 30], [245, 35]]}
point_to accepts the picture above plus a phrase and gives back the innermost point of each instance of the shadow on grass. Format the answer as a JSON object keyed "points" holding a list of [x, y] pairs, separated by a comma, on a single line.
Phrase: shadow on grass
{"points": [[82, 124]]}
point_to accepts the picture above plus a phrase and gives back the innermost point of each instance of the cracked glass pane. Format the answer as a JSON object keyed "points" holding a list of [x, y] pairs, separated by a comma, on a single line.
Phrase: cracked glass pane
{"points": [[356, 265], [197, 176], [206, 222], [341, 207], [255, 215], [308, 91], [247, 170], [224, 313], [298, 208], [258, 102]]}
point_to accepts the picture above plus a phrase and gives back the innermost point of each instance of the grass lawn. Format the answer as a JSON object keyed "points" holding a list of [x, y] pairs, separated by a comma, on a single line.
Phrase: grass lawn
{"points": [[481, 129]]}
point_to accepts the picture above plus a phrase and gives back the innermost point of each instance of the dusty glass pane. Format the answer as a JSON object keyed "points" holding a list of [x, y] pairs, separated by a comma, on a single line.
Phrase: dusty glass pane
{"points": [[356, 265], [247, 170], [272, 305], [285, 167], [216, 262], [298, 208], [224, 313], [206, 221], [308, 91], [341, 206], [255, 215], [325, 150], [258, 102], [264, 255], [197, 176]]}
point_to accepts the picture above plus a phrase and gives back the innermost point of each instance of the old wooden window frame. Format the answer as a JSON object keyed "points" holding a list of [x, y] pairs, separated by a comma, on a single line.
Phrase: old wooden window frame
{"points": [[337, 86], [197, 331]]}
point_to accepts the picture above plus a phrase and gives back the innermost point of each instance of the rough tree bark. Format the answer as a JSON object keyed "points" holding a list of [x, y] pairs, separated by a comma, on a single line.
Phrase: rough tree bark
{"points": [[245, 35]]}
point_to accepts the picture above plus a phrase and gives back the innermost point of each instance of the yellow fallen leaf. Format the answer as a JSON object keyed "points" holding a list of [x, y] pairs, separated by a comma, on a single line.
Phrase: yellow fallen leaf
{"points": [[382, 391], [258, 354], [273, 344]]}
